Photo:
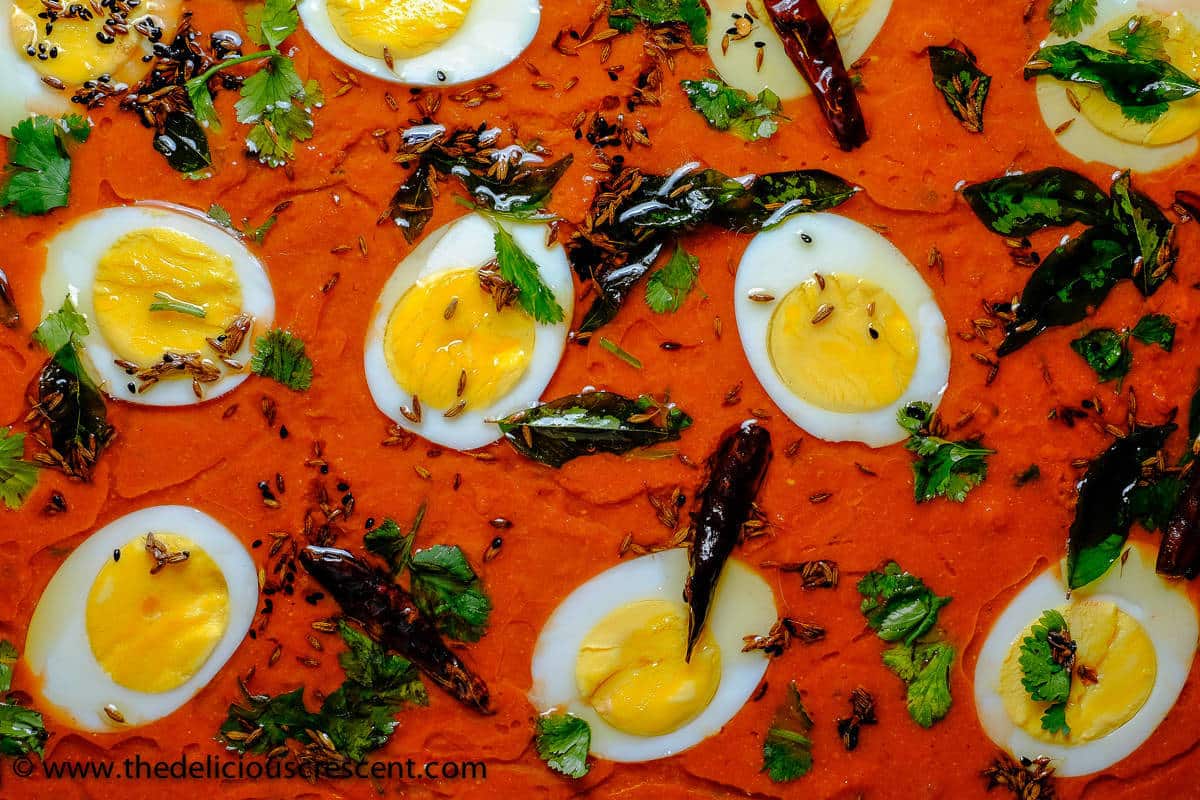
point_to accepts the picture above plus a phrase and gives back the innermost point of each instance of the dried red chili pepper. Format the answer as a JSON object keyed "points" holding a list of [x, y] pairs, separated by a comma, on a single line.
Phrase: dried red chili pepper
{"points": [[1179, 552]]}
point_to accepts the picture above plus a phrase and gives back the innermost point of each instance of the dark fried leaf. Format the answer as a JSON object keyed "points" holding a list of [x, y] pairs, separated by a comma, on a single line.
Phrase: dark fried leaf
{"points": [[1105, 352], [1152, 504], [625, 14], [183, 143], [1018, 205], [1155, 329], [411, 206], [770, 198], [1150, 233], [78, 423], [963, 85]]}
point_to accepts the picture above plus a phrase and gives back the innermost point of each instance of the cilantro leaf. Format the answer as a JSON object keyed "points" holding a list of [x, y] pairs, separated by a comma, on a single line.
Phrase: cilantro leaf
{"points": [[448, 591], [1105, 352], [926, 670], [17, 476], [563, 741], [1043, 677], [787, 748], [1054, 719], [388, 541], [280, 718], [1155, 329], [22, 730], [39, 169], [626, 14], [220, 215], [898, 605], [668, 286], [1069, 17], [269, 24], [729, 109], [1141, 37], [943, 468], [280, 356], [60, 327], [278, 104], [516, 267]]}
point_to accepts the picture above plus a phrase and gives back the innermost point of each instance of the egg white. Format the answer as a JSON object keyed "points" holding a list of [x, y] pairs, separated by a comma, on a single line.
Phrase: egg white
{"points": [[57, 648], [1085, 140], [22, 92], [777, 260], [738, 66], [1162, 608], [493, 34], [470, 242], [71, 260], [742, 606]]}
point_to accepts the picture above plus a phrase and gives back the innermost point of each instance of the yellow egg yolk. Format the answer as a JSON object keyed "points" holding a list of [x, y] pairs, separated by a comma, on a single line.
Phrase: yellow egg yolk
{"points": [[77, 49], [401, 28], [151, 632], [843, 15], [144, 266], [631, 669], [842, 344], [1121, 657], [1182, 119], [446, 343]]}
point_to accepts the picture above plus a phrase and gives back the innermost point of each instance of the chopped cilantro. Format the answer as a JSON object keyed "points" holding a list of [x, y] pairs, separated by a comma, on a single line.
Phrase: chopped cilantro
{"points": [[516, 267], [269, 24], [447, 590], [626, 14], [1141, 37], [668, 286], [1105, 352], [1046, 660], [60, 327], [257, 234], [280, 356], [17, 476], [1054, 719], [563, 741], [1069, 17], [22, 730], [898, 605], [620, 352], [39, 169], [388, 541], [926, 670], [1155, 329], [787, 748], [943, 468], [729, 109]]}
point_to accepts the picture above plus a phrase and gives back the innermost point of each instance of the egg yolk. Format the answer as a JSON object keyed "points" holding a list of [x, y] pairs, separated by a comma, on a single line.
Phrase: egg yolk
{"points": [[446, 343], [144, 266], [153, 632], [843, 15], [402, 28], [76, 48], [843, 344], [1116, 648], [1182, 118], [631, 669]]}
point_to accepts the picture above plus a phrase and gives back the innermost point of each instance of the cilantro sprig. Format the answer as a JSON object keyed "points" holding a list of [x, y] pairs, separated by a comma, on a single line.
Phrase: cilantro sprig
{"points": [[625, 15], [38, 177], [255, 233], [926, 670], [280, 355], [787, 747], [563, 741], [1069, 17], [1047, 659], [730, 109], [516, 267], [1107, 351], [943, 468], [17, 476], [669, 285], [1141, 37], [22, 730]]}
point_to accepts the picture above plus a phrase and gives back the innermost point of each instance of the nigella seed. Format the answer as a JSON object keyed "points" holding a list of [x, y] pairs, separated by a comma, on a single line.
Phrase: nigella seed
{"points": [[441, 76], [116, 554], [874, 333], [370, 523], [283, 432], [804, 237]]}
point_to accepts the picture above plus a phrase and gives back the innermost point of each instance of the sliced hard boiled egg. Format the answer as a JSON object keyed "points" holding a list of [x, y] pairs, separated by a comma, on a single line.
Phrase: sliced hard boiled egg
{"points": [[128, 630], [1092, 127], [612, 653], [1135, 637], [839, 328], [155, 283], [442, 358], [738, 30], [423, 42]]}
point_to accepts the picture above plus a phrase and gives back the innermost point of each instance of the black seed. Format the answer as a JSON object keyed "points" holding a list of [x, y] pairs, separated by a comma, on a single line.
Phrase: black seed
{"points": [[116, 555]]}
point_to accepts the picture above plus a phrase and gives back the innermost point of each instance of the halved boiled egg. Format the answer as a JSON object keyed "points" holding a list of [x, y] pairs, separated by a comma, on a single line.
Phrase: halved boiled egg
{"points": [[612, 653], [1092, 127], [140, 617], [50, 50], [155, 284], [423, 42], [445, 356], [839, 328], [1135, 637], [739, 30]]}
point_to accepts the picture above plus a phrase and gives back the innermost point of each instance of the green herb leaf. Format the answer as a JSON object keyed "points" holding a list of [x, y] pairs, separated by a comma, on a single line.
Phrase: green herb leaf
{"points": [[1018, 205], [278, 104], [1069, 17], [220, 215], [1150, 234], [17, 479], [1105, 352], [1141, 87], [943, 468], [22, 730], [39, 168], [626, 13], [280, 356], [560, 430], [1046, 680], [620, 352], [8, 658], [182, 141], [963, 85], [563, 742], [768, 199], [729, 109], [926, 670], [516, 267], [269, 24], [411, 207], [165, 302], [787, 748], [1155, 329], [1103, 512], [1154, 503], [668, 286], [391, 543], [898, 605], [448, 591], [281, 718], [60, 327], [1141, 37], [1054, 719]]}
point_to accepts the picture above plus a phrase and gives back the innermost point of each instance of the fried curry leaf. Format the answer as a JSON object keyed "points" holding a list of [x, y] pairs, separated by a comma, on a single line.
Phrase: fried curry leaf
{"points": [[516, 267], [280, 356], [1155, 329], [943, 468], [1150, 233], [768, 199], [1018, 205], [1069, 17], [1073, 279], [729, 109], [8, 659], [1153, 504], [668, 286], [1105, 352], [524, 190], [558, 431], [1103, 512], [448, 591], [74, 411], [963, 85], [1142, 37], [898, 605], [926, 670], [182, 141], [616, 284], [625, 14], [787, 748], [17, 476], [1143, 88], [392, 544], [563, 742], [38, 176], [411, 206]]}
